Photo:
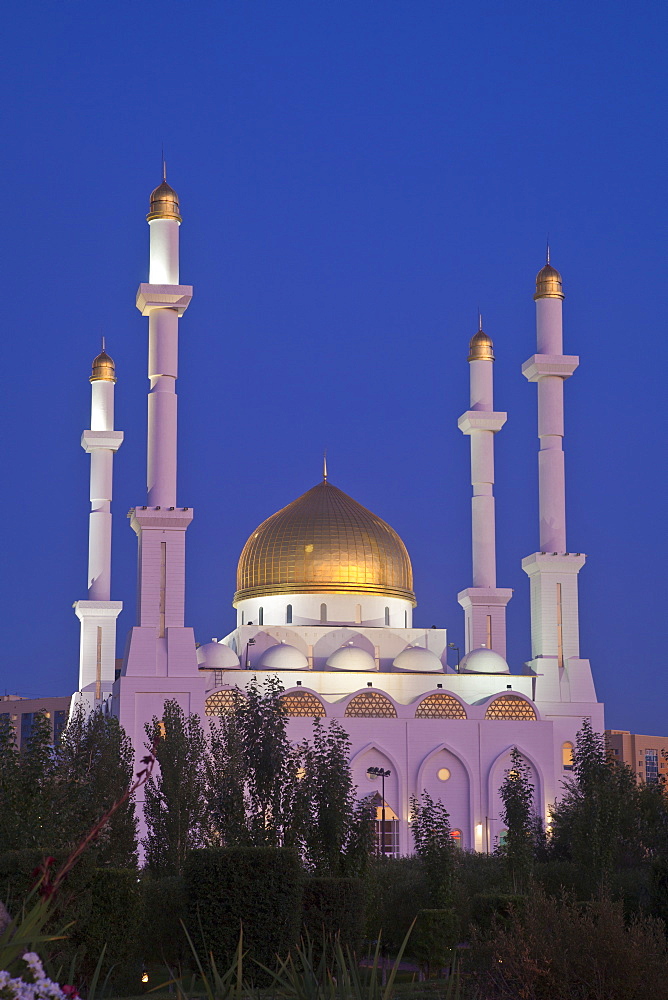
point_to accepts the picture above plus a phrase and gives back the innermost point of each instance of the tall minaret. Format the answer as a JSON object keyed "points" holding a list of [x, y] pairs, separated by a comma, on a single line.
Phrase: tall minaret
{"points": [[553, 571], [98, 614], [160, 655], [484, 603]]}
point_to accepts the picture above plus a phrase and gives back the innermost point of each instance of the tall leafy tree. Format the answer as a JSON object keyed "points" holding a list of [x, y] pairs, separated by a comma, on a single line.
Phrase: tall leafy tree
{"points": [[597, 821], [94, 766], [432, 837], [10, 816], [175, 802], [517, 795]]}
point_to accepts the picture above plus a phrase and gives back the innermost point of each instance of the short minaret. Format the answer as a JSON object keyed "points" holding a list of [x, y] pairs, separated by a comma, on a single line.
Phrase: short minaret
{"points": [[98, 614], [484, 603], [553, 570], [160, 646]]}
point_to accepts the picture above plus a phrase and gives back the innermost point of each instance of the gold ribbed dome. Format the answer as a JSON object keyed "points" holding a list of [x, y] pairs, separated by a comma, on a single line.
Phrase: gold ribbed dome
{"points": [[104, 369], [164, 203], [481, 347], [324, 543], [548, 283]]}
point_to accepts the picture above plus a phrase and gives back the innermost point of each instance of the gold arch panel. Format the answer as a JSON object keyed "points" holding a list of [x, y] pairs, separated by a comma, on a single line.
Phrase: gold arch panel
{"points": [[510, 706], [440, 706], [370, 705], [302, 705], [222, 702]]}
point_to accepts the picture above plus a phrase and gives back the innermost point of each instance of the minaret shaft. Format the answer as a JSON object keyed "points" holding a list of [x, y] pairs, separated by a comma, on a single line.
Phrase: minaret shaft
{"points": [[484, 604]]}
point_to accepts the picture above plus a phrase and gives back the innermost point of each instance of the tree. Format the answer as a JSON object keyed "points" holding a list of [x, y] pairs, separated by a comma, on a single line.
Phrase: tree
{"points": [[597, 822], [94, 766], [432, 837], [175, 803], [9, 787], [518, 817]]}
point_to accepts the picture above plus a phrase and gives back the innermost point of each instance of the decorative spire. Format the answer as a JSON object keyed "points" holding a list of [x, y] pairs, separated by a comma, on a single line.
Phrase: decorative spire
{"points": [[324, 466], [547, 249]]}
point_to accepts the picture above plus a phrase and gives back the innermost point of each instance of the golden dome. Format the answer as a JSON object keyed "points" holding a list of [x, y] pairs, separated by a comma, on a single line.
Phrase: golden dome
{"points": [[548, 283], [324, 543], [481, 347], [164, 203], [104, 369]]}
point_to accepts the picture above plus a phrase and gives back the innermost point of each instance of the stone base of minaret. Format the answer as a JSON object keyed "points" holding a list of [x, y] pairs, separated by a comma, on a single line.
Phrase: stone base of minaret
{"points": [[97, 652], [485, 617]]}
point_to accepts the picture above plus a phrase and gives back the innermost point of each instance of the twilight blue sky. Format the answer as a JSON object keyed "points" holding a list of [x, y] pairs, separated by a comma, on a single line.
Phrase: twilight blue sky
{"points": [[355, 179]]}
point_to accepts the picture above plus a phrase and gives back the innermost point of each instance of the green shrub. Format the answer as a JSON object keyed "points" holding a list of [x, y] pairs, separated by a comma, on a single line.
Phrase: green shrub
{"points": [[397, 889], [487, 906], [259, 887], [164, 906], [334, 906], [434, 937]]}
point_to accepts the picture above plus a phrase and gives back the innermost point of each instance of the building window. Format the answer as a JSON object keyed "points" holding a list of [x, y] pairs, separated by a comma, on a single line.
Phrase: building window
{"points": [[651, 766], [288, 615], [370, 705], [443, 774], [358, 614], [59, 725], [260, 616], [456, 838], [386, 835], [405, 619], [387, 616], [302, 705], [567, 756], [323, 613], [27, 722], [243, 617], [223, 702], [511, 707], [503, 837], [440, 706]]}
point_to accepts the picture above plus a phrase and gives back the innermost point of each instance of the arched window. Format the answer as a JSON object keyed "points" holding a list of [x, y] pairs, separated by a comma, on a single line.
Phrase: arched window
{"points": [[512, 707], [567, 756], [243, 617], [370, 705], [440, 706], [387, 616], [456, 838], [223, 702], [260, 616], [323, 613], [358, 614], [405, 619], [302, 705], [288, 615]]}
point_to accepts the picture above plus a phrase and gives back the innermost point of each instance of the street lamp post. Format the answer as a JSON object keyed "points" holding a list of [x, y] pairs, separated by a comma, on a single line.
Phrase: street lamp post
{"points": [[451, 645], [378, 772]]}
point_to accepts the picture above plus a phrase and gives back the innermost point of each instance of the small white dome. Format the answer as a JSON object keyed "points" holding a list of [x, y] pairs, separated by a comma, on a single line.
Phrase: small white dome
{"points": [[282, 657], [484, 661], [417, 658], [351, 658], [217, 656]]}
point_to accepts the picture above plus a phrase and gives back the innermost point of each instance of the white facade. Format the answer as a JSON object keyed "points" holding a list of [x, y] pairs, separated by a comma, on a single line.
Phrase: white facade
{"points": [[354, 656]]}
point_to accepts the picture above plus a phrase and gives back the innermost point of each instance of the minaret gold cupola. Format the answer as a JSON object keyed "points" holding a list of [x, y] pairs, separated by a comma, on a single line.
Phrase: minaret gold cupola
{"points": [[104, 369], [164, 203], [324, 543], [548, 282], [481, 347]]}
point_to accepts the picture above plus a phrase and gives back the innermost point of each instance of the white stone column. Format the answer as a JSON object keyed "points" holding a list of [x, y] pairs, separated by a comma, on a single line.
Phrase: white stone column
{"points": [[98, 614], [484, 603]]}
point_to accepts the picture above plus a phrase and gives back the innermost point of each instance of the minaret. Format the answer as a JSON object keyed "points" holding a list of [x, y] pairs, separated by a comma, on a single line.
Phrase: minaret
{"points": [[484, 603], [98, 614], [553, 571], [160, 654]]}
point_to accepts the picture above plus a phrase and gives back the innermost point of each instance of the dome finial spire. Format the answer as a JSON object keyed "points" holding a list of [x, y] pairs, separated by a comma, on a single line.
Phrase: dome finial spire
{"points": [[479, 320], [164, 166], [324, 466], [547, 249]]}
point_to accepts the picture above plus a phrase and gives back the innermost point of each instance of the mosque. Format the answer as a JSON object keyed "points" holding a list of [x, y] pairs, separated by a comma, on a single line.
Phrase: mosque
{"points": [[325, 599]]}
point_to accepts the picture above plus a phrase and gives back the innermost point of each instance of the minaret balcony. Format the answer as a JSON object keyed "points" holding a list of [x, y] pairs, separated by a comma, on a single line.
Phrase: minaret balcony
{"points": [[150, 297], [540, 365]]}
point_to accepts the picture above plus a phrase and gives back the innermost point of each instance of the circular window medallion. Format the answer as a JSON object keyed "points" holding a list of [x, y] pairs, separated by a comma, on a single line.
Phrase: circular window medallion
{"points": [[443, 774]]}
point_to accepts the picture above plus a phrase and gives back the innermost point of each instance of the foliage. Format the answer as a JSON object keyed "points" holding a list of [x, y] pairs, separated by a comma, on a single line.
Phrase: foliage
{"points": [[557, 950], [517, 815], [430, 826], [335, 907], [434, 939], [27, 784], [489, 909], [397, 888], [175, 803], [164, 910], [107, 916], [597, 823], [259, 887]]}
